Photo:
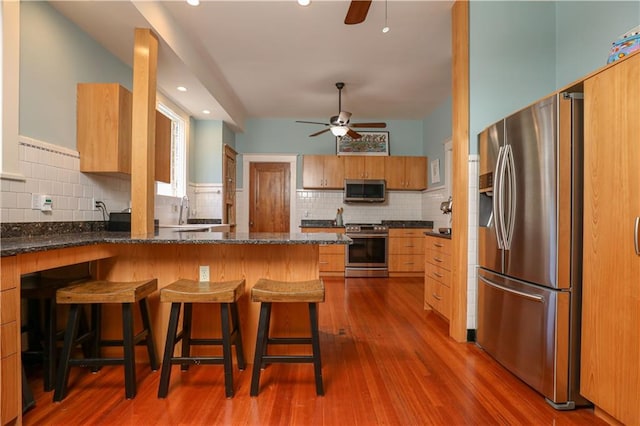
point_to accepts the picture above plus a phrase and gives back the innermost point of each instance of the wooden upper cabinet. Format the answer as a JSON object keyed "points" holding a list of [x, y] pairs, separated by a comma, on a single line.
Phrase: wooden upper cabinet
{"points": [[364, 167], [163, 148], [323, 171], [406, 173], [103, 131], [103, 127]]}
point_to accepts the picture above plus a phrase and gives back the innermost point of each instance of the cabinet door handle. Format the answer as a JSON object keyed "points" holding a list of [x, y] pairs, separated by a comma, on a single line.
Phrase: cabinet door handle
{"points": [[437, 259], [437, 275], [435, 296], [438, 245], [635, 235]]}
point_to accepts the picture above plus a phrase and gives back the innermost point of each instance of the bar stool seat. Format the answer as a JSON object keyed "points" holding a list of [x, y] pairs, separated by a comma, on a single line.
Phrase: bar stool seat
{"points": [[268, 291], [97, 293], [185, 293]]}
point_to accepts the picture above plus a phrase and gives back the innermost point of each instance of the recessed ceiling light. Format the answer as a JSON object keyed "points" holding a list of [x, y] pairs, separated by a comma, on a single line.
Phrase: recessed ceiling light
{"points": [[193, 2], [304, 2], [206, 111], [181, 88]]}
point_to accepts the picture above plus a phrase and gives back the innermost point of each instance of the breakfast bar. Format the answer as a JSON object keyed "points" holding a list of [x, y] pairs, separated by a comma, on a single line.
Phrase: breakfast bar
{"points": [[166, 255]]}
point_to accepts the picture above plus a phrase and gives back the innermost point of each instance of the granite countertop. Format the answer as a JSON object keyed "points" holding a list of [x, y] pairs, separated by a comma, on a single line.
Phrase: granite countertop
{"points": [[329, 223], [437, 234], [19, 245]]}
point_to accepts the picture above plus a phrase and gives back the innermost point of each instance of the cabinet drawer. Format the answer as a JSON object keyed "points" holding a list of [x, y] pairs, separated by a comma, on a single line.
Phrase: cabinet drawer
{"points": [[406, 263], [9, 306], [438, 258], [331, 262], [408, 245], [404, 232], [332, 249], [10, 388], [437, 295], [8, 338], [438, 273], [9, 268], [441, 245]]}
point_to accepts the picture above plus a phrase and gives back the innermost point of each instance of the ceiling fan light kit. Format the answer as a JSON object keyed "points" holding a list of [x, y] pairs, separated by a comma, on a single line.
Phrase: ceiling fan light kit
{"points": [[340, 125]]}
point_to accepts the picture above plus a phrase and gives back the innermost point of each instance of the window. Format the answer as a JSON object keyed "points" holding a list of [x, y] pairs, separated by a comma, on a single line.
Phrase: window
{"points": [[178, 185]]}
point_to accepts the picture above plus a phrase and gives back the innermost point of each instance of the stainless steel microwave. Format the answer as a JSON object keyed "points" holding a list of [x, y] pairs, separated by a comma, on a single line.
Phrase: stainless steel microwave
{"points": [[364, 190]]}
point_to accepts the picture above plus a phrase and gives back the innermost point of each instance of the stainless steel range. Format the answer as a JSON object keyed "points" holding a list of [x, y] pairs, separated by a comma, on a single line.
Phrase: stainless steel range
{"points": [[367, 255]]}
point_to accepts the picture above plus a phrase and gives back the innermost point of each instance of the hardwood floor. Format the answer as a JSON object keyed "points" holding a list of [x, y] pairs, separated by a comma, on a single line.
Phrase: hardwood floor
{"points": [[385, 361]]}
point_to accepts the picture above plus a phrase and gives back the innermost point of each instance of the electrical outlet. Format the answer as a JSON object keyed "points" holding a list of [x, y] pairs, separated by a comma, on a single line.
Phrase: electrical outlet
{"points": [[204, 273]]}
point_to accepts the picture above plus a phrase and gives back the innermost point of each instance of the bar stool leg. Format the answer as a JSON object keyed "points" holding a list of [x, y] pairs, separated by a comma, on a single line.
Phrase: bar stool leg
{"points": [[172, 333], [129, 351], [69, 338], [146, 323], [49, 358], [261, 346], [186, 334], [238, 336], [96, 329], [315, 344], [226, 349]]}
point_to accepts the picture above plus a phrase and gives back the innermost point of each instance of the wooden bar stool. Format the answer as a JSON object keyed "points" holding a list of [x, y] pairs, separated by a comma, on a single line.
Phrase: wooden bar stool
{"points": [[187, 292], [39, 291], [269, 291], [96, 293]]}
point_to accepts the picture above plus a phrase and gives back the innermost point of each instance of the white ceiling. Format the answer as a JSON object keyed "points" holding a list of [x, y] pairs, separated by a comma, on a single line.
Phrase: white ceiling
{"points": [[275, 59]]}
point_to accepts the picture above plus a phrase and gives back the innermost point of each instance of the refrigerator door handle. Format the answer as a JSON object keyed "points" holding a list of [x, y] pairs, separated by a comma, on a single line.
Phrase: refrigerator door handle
{"points": [[501, 229], [635, 236], [534, 297], [497, 197], [511, 182]]}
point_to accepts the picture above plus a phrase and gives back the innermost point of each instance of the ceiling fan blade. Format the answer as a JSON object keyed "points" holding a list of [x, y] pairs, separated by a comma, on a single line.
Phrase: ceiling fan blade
{"points": [[318, 133], [357, 12], [312, 122], [354, 134], [373, 125]]}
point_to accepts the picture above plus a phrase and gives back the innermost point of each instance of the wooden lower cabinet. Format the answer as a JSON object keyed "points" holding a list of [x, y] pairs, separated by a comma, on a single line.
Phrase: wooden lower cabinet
{"points": [[331, 261], [10, 371], [406, 251], [437, 275]]}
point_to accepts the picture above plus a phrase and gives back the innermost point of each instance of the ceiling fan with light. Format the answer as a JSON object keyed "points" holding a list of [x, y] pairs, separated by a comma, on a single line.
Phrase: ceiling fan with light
{"points": [[339, 124]]}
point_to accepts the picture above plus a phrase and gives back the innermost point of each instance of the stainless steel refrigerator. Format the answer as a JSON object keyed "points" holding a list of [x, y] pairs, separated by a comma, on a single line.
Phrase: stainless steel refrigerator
{"points": [[530, 246]]}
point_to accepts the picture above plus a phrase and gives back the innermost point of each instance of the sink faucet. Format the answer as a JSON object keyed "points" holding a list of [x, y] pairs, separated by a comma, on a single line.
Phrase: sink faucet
{"points": [[184, 206]]}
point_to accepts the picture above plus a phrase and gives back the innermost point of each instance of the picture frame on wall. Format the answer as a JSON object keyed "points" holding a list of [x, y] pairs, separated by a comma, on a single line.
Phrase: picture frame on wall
{"points": [[371, 143]]}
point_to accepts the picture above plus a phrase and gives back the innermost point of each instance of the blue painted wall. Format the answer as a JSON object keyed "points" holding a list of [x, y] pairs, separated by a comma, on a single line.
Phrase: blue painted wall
{"points": [[585, 31], [206, 166], [55, 55], [522, 51], [436, 129]]}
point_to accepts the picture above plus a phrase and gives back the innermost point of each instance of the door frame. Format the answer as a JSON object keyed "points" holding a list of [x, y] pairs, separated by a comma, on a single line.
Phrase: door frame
{"points": [[242, 218]]}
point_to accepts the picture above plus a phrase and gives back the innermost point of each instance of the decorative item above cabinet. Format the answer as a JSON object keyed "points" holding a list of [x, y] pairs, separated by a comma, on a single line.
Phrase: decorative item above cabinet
{"points": [[103, 131]]}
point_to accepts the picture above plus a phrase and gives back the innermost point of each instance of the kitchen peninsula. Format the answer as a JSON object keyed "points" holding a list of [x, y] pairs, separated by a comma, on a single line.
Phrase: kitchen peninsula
{"points": [[166, 255]]}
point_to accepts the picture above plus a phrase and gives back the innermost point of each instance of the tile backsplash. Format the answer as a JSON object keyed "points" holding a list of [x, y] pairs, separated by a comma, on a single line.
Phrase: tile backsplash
{"points": [[55, 171]]}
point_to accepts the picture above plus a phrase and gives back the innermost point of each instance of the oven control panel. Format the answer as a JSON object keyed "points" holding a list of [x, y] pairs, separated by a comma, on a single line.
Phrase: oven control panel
{"points": [[355, 228]]}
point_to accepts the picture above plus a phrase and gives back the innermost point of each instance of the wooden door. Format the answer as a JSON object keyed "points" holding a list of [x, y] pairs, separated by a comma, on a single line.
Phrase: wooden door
{"points": [[610, 347], [229, 187], [269, 193]]}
